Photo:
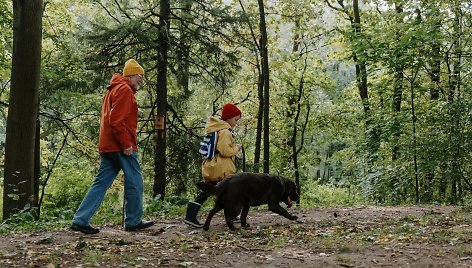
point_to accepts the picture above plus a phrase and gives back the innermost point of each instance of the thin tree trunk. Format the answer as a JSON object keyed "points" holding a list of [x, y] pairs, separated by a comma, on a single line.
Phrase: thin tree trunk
{"points": [[301, 87], [19, 188], [414, 119], [372, 132], [265, 74], [260, 96], [361, 69], [296, 150], [161, 103], [260, 112], [37, 169]]}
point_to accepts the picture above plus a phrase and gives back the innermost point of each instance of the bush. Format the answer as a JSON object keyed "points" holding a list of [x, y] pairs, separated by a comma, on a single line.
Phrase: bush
{"points": [[314, 194], [67, 186], [170, 206]]}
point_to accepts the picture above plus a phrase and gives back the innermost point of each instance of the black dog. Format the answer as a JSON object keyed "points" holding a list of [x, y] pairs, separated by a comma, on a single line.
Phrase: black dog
{"points": [[238, 192]]}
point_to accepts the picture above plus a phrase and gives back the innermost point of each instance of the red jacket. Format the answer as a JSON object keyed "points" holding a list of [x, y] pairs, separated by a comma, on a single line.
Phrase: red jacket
{"points": [[119, 116]]}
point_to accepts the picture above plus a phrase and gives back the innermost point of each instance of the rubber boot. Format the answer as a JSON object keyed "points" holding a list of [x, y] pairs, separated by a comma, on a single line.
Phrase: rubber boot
{"points": [[191, 214]]}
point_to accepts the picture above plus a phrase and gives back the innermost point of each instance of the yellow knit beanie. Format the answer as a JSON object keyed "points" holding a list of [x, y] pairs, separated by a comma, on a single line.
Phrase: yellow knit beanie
{"points": [[132, 67]]}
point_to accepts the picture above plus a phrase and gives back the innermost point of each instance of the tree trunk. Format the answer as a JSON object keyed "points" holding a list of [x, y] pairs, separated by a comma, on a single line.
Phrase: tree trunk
{"points": [[372, 135], [415, 150], [361, 69], [260, 96], [260, 112], [161, 103], [265, 75], [372, 132], [296, 116], [37, 168], [19, 172], [296, 150]]}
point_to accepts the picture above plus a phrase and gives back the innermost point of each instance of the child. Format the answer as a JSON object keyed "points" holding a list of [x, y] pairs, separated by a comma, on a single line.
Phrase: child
{"points": [[223, 163]]}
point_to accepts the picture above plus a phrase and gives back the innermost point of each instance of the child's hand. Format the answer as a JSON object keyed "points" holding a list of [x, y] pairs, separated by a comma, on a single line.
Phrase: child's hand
{"points": [[239, 147]]}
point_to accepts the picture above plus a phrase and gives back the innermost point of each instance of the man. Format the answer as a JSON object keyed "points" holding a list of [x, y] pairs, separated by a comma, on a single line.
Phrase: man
{"points": [[118, 151]]}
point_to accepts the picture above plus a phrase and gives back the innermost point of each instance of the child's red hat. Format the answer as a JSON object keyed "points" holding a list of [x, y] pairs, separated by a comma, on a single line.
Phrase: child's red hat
{"points": [[229, 111]]}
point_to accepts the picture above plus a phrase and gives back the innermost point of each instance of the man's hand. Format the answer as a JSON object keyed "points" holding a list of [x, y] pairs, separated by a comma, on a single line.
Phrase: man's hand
{"points": [[128, 151]]}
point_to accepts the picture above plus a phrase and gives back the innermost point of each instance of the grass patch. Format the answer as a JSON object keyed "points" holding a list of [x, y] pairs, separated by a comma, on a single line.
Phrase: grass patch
{"points": [[464, 251], [343, 260], [345, 249], [314, 194]]}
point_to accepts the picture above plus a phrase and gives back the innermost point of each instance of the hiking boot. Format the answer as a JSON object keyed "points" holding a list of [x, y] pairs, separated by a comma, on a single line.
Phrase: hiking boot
{"points": [[193, 223], [237, 219], [191, 215], [140, 226], [84, 229]]}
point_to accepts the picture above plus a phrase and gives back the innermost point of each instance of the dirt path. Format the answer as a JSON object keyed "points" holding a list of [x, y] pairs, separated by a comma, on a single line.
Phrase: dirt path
{"points": [[325, 237]]}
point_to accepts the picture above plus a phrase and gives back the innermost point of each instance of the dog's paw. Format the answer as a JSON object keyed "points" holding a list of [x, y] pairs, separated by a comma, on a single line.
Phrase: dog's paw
{"points": [[206, 227], [293, 218]]}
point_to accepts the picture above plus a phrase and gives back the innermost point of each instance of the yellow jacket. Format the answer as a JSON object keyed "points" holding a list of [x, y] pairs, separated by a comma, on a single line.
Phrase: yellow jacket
{"points": [[223, 163]]}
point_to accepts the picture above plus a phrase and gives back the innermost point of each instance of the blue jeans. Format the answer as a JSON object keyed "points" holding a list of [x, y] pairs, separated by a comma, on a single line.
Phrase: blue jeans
{"points": [[110, 165]]}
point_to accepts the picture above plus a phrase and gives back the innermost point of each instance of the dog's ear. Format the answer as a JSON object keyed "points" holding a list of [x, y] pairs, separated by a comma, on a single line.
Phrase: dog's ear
{"points": [[291, 190], [291, 187]]}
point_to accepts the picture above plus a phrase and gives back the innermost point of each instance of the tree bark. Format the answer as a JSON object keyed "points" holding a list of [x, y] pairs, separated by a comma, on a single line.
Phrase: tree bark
{"points": [[260, 113], [260, 96], [19, 188], [159, 188], [361, 69], [296, 115], [265, 75], [296, 149], [372, 132], [37, 168]]}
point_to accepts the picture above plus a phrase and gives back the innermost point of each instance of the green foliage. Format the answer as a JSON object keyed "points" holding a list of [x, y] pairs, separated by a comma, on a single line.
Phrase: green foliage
{"points": [[170, 206], [313, 90], [6, 26], [467, 203], [68, 186], [314, 194], [25, 221]]}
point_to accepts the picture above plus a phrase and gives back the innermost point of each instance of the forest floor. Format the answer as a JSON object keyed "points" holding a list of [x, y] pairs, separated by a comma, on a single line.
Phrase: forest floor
{"points": [[406, 236]]}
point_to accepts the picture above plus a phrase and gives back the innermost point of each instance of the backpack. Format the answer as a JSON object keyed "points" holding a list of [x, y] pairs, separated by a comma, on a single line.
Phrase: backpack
{"points": [[208, 145]]}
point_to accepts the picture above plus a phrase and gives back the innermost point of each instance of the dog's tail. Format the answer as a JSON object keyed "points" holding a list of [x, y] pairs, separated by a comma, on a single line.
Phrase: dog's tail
{"points": [[207, 188], [212, 189]]}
